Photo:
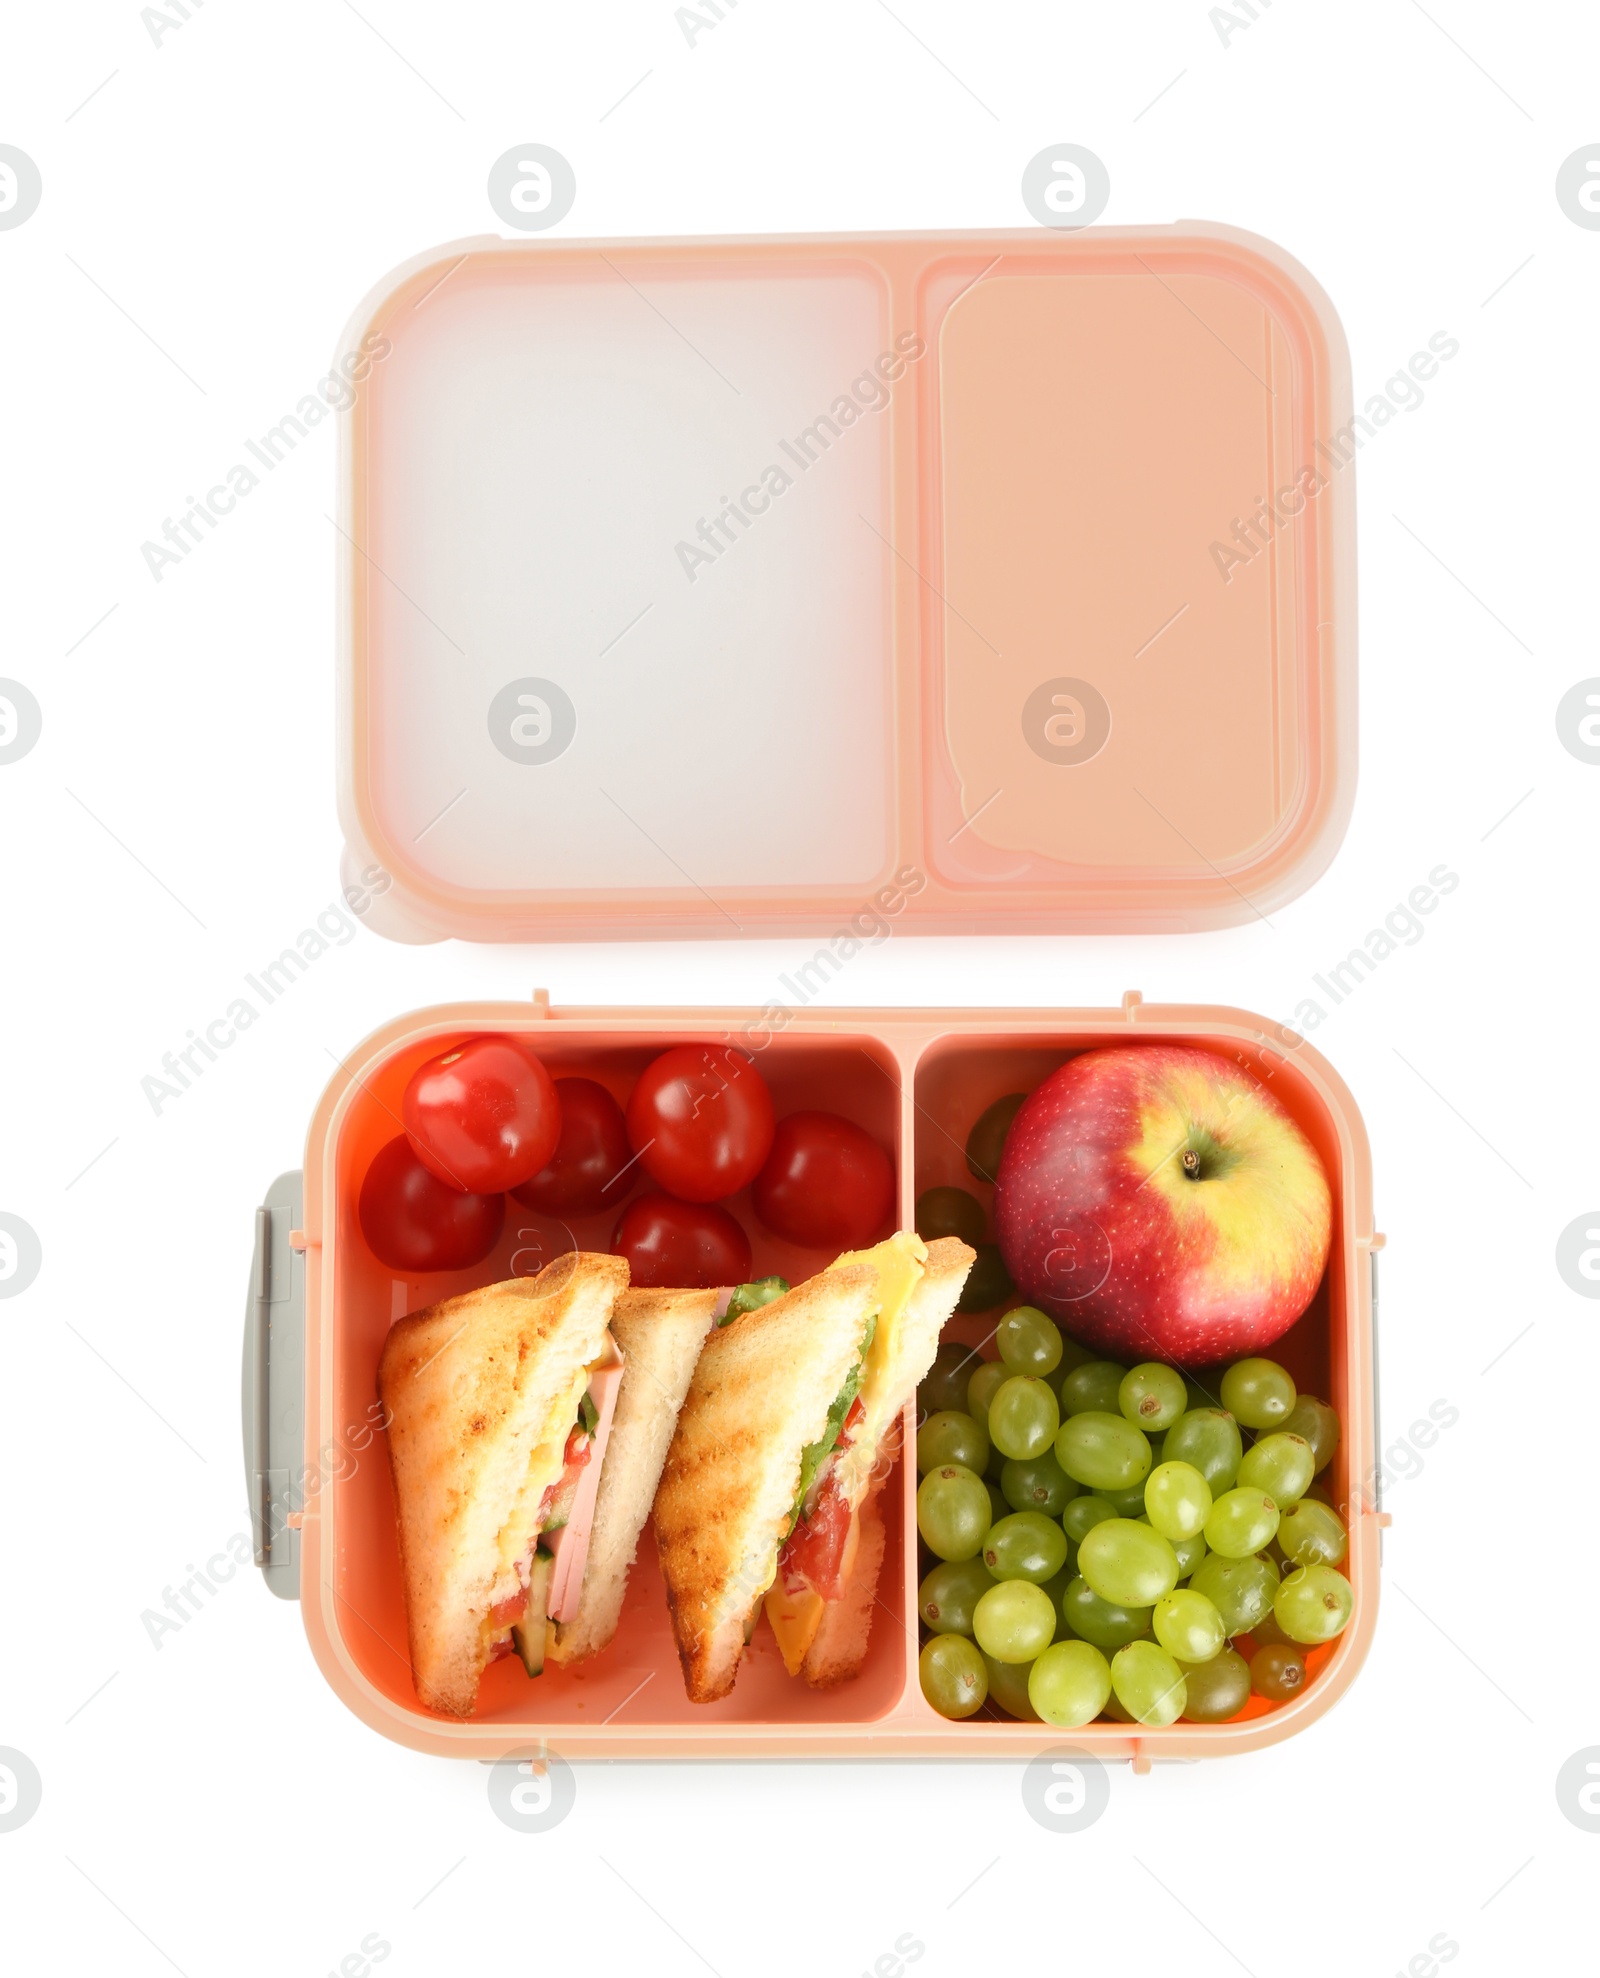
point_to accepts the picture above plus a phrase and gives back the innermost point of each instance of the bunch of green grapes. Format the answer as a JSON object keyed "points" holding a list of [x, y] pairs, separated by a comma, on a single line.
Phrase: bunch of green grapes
{"points": [[1108, 1541]]}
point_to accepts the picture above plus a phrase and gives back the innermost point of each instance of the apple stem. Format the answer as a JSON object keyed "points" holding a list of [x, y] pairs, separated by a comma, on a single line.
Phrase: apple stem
{"points": [[1191, 1164]]}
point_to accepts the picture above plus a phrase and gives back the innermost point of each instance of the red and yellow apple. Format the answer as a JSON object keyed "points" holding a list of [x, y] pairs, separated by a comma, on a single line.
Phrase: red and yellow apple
{"points": [[1161, 1203]]}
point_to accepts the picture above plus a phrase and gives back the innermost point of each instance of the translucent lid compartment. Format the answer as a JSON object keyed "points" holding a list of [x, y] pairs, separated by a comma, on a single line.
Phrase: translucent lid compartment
{"points": [[721, 587]]}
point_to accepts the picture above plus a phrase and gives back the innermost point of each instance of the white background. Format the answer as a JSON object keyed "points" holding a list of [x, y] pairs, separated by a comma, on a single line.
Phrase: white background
{"points": [[236, 189]]}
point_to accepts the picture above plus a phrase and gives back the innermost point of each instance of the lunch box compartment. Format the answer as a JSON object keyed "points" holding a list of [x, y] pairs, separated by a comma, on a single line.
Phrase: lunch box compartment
{"points": [[917, 1080], [852, 1075]]}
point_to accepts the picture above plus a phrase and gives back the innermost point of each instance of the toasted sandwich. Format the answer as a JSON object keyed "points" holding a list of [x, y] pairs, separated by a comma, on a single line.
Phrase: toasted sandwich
{"points": [[791, 1426], [499, 1405], [660, 1334]]}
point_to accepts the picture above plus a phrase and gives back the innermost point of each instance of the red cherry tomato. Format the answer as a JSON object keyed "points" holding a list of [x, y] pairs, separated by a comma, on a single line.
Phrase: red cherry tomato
{"points": [[483, 1117], [691, 1244], [413, 1222], [826, 1183], [581, 1177], [700, 1120]]}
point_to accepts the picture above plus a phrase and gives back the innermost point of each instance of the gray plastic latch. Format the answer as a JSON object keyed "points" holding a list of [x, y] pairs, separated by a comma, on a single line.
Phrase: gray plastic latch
{"points": [[273, 1387]]}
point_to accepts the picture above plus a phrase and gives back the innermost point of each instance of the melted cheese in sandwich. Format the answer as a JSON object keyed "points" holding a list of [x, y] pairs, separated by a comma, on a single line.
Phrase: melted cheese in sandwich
{"points": [[544, 1468], [898, 1263], [794, 1619]]}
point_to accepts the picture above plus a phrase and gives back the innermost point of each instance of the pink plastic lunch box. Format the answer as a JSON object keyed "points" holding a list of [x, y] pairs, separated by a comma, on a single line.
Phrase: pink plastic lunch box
{"points": [[825, 588]]}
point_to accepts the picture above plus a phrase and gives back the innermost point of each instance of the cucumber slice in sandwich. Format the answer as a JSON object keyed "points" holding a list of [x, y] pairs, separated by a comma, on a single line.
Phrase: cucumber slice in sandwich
{"points": [[529, 1632]]}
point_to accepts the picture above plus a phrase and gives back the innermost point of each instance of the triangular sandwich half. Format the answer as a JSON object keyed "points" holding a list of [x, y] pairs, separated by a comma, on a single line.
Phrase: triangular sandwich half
{"points": [[788, 1427], [660, 1334], [821, 1603], [761, 1393], [490, 1424]]}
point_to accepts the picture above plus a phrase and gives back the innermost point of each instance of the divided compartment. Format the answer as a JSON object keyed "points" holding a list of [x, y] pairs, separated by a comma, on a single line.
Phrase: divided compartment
{"points": [[917, 1081], [1019, 565]]}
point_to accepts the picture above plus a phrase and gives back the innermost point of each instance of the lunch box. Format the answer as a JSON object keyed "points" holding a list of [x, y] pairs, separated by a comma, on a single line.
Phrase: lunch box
{"points": [[835, 589]]}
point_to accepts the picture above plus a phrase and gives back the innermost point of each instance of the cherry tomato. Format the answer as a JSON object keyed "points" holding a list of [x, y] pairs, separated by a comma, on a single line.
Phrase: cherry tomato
{"points": [[700, 1120], [581, 1177], [826, 1183], [413, 1222], [691, 1244], [483, 1117]]}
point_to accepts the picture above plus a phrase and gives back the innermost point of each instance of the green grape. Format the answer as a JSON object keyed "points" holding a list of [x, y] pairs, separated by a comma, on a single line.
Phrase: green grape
{"points": [[1189, 1553], [1103, 1452], [1014, 1621], [984, 1382], [1320, 1491], [1277, 1671], [950, 1212], [988, 1136], [1025, 1546], [1128, 1563], [1029, 1341], [1037, 1484], [1148, 1683], [952, 1675], [1082, 1515], [1240, 1590], [951, 1437], [988, 1282], [949, 1593], [1008, 1687], [1257, 1393], [1069, 1684], [1023, 1417], [1318, 1423], [998, 1507], [1152, 1396], [1094, 1386], [1117, 1711], [953, 1511], [1187, 1625], [1279, 1464], [1313, 1604], [1313, 1534], [1218, 1689], [1105, 1623], [1177, 1499], [1207, 1438], [944, 1385], [1241, 1522], [1127, 1503]]}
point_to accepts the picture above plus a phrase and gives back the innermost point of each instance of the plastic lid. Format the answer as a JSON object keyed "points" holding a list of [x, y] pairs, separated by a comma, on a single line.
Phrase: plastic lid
{"points": [[997, 582]]}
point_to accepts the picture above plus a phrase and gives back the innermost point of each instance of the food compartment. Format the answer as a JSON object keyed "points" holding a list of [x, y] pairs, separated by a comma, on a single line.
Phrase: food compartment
{"points": [[954, 1081], [636, 1682]]}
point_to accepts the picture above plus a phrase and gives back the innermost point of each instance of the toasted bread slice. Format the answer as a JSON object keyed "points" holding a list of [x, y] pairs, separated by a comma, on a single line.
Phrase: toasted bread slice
{"points": [[479, 1393], [840, 1645], [660, 1334], [760, 1394]]}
